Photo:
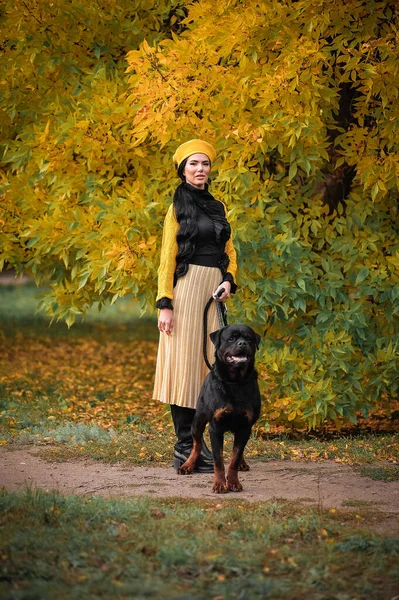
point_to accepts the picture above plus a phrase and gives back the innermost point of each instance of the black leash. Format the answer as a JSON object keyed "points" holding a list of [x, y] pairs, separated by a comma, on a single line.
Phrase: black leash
{"points": [[222, 318]]}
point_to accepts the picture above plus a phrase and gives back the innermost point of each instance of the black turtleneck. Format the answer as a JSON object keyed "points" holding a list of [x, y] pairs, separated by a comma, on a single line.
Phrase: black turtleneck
{"points": [[213, 232], [208, 252]]}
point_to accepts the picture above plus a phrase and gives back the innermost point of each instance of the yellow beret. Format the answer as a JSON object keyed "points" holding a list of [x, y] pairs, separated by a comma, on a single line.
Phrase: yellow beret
{"points": [[194, 147]]}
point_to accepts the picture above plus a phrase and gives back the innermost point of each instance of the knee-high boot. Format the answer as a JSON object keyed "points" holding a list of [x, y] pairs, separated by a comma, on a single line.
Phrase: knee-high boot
{"points": [[182, 421]]}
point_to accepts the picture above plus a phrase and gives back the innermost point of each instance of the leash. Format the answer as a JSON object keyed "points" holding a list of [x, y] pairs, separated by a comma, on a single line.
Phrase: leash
{"points": [[221, 312]]}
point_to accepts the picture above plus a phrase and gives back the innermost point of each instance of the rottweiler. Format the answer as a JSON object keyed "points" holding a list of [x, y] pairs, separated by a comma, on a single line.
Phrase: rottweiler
{"points": [[229, 401]]}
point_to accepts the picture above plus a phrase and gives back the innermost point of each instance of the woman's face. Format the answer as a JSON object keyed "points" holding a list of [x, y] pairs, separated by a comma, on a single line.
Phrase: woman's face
{"points": [[197, 170]]}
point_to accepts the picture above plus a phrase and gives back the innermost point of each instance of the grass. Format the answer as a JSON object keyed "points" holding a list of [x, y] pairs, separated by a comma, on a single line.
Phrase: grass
{"points": [[18, 313], [88, 392], [69, 547], [156, 448], [380, 472], [19, 304]]}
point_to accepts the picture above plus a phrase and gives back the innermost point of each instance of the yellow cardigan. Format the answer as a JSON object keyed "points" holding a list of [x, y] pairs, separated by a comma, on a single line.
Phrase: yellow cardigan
{"points": [[169, 251]]}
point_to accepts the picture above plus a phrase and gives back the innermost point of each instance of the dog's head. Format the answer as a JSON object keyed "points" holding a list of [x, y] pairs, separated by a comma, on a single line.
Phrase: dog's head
{"points": [[235, 348]]}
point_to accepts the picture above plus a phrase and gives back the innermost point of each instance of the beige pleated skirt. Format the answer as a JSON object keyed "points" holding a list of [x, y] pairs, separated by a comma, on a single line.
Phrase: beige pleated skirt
{"points": [[181, 368]]}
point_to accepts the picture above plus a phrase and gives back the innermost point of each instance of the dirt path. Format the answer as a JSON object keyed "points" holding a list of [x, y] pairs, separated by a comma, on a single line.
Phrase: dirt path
{"points": [[326, 484]]}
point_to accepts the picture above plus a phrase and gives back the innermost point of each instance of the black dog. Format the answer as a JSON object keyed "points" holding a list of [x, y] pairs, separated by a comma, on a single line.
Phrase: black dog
{"points": [[229, 401]]}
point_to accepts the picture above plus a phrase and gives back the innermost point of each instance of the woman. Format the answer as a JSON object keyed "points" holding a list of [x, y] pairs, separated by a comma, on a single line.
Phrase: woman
{"points": [[197, 261]]}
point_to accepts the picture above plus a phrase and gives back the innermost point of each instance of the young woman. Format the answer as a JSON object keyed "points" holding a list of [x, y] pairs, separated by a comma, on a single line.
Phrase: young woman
{"points": [[197, 261]]}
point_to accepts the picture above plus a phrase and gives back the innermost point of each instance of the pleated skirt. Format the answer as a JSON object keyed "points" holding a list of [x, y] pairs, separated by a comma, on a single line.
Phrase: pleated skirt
{"points": [[181, 368]]}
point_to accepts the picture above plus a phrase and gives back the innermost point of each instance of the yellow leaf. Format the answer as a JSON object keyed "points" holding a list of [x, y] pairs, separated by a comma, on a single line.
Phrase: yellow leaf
{"points": [[324, 532]]}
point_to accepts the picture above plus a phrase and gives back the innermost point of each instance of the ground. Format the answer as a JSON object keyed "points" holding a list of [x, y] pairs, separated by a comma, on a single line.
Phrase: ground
{"points": [[323, 485], [317, 520]]}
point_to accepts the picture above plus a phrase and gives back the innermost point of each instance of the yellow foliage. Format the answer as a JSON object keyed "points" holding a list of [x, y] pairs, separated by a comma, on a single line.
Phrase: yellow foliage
{"points": [[300, 100]]}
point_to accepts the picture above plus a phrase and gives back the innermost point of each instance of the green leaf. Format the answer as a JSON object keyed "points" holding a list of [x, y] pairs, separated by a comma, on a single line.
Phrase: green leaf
{"points": [[301, 284], [33, 240], [293, 171], [361, 276], [374, 191]]}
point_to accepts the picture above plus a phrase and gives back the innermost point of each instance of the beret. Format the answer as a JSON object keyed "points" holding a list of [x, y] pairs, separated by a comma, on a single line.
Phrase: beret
{"points": [[194, 147]]}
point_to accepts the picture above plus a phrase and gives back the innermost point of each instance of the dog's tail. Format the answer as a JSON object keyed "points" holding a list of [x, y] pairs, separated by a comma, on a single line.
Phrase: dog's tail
{"points": [[222, 318]]}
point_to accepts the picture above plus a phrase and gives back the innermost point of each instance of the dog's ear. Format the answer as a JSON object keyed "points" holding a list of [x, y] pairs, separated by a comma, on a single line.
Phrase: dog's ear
{"points": [[215, 337], [258, 340]]}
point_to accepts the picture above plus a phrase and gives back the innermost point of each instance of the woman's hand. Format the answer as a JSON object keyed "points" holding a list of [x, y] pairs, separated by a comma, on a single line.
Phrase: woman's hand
{"points": [[165, 320], [227, 287]]}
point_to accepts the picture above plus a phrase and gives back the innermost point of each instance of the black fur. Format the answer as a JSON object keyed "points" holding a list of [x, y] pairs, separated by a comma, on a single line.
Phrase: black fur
{"points": [[229, 401]]}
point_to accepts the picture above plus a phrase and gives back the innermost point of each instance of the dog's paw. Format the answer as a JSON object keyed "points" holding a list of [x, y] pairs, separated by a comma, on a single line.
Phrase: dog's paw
{"points": [[220, 486], [185, 469], [244, 466], [234, 486]]}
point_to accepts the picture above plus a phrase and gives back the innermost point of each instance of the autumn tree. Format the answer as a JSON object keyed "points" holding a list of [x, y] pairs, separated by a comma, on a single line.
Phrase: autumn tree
{"points": [[75, 211], [301, 101]]}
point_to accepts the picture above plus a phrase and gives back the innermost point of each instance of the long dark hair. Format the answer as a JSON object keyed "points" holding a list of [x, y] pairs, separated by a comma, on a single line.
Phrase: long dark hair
{"points": [[186, 213]]}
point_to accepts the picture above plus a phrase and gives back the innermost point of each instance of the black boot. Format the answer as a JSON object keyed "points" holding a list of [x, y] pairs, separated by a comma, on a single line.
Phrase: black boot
{"points": [[182, 421]]}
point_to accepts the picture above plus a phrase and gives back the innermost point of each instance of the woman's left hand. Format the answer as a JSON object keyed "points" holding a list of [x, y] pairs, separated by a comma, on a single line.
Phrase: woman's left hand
{"points": [[226, 285]]}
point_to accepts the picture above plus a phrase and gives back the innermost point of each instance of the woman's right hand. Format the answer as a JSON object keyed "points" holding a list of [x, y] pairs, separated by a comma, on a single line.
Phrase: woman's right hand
{"points": [[165, 320]]}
